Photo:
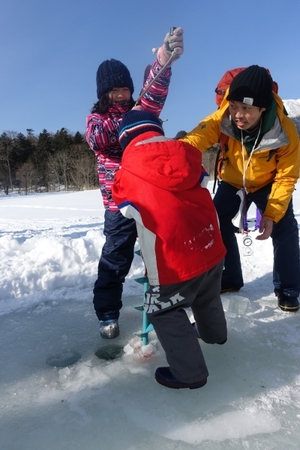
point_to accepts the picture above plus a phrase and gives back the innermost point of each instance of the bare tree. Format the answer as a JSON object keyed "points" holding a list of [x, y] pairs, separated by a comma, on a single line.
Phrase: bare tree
{"points": [[26, 174], [83, 173], [58, 167], [53, 170]]}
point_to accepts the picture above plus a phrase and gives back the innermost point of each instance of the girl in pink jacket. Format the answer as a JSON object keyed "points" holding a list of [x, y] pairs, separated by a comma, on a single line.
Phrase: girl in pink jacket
{"points": [[114, 91]]}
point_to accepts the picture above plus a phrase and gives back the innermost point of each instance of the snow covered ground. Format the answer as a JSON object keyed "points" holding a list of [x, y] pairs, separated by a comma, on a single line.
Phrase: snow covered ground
{"points": [[56, 393]]}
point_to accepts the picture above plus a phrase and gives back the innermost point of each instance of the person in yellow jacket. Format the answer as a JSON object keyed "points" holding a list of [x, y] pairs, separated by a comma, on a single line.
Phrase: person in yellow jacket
{"points": [[261, 164]]}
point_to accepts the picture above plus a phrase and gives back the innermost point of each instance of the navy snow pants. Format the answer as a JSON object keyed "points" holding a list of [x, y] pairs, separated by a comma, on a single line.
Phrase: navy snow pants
{"points": [[286, 268], [114, 264]]}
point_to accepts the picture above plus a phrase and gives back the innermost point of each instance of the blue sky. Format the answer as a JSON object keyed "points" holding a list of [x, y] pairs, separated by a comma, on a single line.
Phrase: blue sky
{"points": [[50, 51]]}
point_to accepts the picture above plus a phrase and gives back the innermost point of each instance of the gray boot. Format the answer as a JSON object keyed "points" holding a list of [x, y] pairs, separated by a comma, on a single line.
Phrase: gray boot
{"points": [[109, 329]]}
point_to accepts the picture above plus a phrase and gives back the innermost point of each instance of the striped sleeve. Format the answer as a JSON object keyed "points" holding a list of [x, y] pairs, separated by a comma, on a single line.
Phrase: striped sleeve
{"points": [[155, 97]]}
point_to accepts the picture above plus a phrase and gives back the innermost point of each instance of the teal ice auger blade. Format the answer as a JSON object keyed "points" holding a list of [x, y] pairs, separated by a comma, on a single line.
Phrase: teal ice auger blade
{"points": [[146, 325]]}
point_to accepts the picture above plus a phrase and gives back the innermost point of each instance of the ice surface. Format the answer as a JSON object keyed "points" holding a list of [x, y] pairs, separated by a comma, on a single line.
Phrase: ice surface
{"points": [[56, 393]]}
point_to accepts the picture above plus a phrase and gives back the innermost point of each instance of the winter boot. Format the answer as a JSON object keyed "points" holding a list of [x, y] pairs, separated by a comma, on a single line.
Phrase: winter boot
{"points": [[226, 288], [286, 302], [164, 376], [109, 329]]}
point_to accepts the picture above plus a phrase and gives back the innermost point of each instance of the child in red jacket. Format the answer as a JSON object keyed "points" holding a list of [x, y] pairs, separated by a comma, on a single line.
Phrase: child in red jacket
{"points": [[158, 186]]}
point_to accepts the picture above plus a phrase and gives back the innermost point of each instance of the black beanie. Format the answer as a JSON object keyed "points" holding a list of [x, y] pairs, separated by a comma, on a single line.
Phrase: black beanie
{"points": [[112, 74], [252, 86], [137, 122]]}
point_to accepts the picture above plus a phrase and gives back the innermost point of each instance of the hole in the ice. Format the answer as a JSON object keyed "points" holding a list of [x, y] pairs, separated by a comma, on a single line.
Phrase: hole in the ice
{"points": [[109, 352], [63, 359]]}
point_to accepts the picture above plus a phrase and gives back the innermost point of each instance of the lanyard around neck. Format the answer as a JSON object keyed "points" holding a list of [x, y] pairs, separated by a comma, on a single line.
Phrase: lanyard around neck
{"points": [[245, 167]]}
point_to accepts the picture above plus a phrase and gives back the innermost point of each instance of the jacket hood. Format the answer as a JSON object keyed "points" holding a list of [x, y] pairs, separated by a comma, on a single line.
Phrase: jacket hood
{"points": [[166, 163]]}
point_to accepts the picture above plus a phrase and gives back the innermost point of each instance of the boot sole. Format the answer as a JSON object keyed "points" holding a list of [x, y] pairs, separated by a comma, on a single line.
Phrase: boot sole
{"points": [[182, 385], [289, 308]]}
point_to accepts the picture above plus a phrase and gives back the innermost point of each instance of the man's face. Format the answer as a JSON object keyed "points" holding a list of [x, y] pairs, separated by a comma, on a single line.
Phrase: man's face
{"points": [[245, 117]]}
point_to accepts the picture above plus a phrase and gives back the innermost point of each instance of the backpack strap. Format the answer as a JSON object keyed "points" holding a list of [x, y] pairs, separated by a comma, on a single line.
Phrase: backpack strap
{"points": [[223, 147]]}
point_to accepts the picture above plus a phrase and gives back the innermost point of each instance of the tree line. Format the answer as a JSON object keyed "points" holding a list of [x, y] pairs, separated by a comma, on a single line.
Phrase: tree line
{"points": [[46, 162], [53, 162], [61, 161]]}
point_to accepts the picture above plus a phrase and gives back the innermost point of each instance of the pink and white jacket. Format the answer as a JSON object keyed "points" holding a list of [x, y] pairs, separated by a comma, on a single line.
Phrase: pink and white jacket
{"points": [[102, 130], [158, 186]]}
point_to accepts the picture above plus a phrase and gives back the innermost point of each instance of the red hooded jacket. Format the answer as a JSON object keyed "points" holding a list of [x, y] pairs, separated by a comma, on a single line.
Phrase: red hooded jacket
{"points": [[158, 186]]}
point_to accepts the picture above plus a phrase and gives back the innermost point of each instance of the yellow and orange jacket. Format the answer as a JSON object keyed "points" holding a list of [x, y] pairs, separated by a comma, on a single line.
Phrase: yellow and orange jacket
{"points": [[275, 160]]}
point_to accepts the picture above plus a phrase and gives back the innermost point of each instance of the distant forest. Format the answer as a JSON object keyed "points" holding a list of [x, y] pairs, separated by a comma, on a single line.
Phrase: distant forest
{"points": [[61, 161], [47, 162], [54, 162]]}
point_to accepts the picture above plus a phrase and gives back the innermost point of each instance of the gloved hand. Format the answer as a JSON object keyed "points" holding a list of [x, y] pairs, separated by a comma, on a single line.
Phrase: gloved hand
{"points": [[137, 108], [172, 46]]}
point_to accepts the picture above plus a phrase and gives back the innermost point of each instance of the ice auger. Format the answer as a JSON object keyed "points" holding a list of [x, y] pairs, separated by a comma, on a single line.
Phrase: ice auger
{"points": [[146, 325]]}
